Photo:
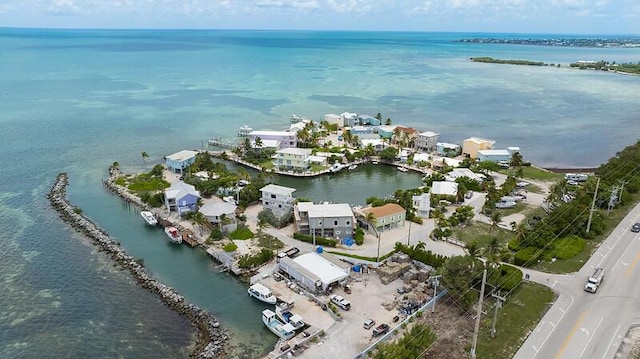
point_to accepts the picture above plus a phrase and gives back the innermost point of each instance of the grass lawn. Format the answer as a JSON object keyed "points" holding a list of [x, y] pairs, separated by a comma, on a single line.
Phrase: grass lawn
{"points": [[270, 242], [519, 316], [540, 174], [479, 232], [519, 208], [241, 234], [146, 183], [266, 164]]}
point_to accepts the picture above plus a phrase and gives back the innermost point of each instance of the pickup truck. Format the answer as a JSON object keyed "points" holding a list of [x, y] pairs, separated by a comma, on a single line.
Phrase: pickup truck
{"points": [[340, 302]]}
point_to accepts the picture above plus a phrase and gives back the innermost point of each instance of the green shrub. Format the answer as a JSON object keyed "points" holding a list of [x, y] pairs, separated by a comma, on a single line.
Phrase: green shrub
{"points": [[568, 247], [527, 256], [320, 241], [241, 234], [247, 261], [230, 247], [358, 237], [506, 277], [418, 253], [216, 234], [514, 245]]}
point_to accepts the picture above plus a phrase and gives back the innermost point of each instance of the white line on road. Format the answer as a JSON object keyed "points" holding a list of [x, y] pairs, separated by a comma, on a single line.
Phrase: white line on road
{"points": [[589, 340], [551, 331], [534, 348], [611, 342]]}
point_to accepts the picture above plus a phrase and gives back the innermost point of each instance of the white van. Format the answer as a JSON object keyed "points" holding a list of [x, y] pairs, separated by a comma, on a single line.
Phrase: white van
{"points": [[577, 177], [594, 280]]}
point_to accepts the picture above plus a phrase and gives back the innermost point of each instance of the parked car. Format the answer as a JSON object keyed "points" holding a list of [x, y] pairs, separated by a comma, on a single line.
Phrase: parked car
{"points": [[635, 228], [340, 301], [368, 324], [381, 329]]}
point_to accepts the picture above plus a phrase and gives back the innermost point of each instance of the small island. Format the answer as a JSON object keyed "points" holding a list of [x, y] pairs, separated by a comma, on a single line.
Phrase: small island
{"points": [[491, 60], [623, 68], [573, 42]]}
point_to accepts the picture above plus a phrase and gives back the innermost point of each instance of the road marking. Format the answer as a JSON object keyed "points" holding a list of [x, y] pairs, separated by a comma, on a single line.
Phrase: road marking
{"points": [[554, 284], [611, 342], [534, 348], [589, 340], [586, 332], [627, 273], [563, 347]]}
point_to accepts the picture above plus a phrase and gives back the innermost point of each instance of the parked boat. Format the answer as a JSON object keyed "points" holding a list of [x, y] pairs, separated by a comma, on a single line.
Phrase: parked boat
{"points": [[173, 234], [352, 167], [283, 312], [374, 162], [149, 217], [282, 330], [337, 167], [262, 293], [229, 199], [402, 169]]}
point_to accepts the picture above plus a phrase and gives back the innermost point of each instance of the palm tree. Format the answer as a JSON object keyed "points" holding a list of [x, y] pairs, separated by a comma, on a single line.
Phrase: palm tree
{"points": [[520, 230], [495, 218], [145, 155], [493, 249], [370, 219], [258, 142], [472, 249], [199, 220]]}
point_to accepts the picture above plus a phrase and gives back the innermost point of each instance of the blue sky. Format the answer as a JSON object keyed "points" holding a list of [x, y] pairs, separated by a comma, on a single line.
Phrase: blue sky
{"points": [[521, 16]]}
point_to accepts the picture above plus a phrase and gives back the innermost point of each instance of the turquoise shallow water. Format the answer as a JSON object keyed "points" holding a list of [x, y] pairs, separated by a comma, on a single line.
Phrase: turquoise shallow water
{"points": [[76, 101]]}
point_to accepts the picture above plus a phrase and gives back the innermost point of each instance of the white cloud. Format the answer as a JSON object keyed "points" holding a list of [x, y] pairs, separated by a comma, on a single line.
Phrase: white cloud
{"points": [[357, 6], [296, 4]]}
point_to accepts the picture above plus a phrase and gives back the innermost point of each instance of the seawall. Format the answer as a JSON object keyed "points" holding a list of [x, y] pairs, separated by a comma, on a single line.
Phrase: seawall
{"points": [[211, 338]]}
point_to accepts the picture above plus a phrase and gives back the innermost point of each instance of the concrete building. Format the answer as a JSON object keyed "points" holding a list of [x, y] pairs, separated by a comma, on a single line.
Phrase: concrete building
{"points": [[181, 197], [427, 141], [366, 120], [472, 145], [332, 118], [287, 138], [494, 155], [448, 149], [292, 159], [422, 205], [317, 273], [278, 199], [350, 119], [325, 220], [463, 172], [388, 216], [178, 161], [220, 213]]}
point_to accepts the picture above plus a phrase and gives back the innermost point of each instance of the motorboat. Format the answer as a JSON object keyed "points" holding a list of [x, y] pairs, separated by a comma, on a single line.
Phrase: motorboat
{"points": [[149, 217], [173, 234], [402, 169], [262, 293], [337, 167], [282, 330], [352, 167], [283, 312]]}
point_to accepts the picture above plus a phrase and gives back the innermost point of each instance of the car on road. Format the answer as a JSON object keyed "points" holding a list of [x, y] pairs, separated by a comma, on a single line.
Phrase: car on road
{"points": [[340, 301], [381, 329], [368, 324], [635, 228]]}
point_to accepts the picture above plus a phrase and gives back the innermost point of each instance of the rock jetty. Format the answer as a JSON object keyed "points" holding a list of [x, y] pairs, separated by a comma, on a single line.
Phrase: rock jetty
{"points": [[212, 339]]}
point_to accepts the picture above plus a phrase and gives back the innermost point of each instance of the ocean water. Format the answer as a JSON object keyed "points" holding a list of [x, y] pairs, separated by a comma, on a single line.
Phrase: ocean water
{"points": [[77, 100]]}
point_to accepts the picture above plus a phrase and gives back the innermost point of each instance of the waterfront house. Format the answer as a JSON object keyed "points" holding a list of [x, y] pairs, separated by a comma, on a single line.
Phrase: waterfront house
{"points": [[366, 120], [494, 155], [327, 220], [361, 130], [448, 149], [472, 145], [278, 199], [444, 188], [219, 212], [178, 161], [388, 216], [316, 272], [181, 197], [292, 159], [463, 172], [405, 136], [427, 141], [334, 119], [377, 144], [287, 138], [422, 205], [386, 131], [421, 158], [350, 119], [266, 145]]}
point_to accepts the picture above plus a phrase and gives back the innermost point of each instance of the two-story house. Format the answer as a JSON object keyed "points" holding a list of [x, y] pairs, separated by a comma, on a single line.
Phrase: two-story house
{"points": [[325, 220], [472, 145], [178, 161], [388, 216], [427, 141], [286, 138], [181, 197], [278, 199], [220, 213], [292, 159]]}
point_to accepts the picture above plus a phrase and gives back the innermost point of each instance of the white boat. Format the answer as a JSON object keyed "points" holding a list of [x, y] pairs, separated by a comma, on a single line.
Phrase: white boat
{"points": [[337, 167], [402, 169], [149, 217], [352, 167], [262, 293], [229, 199], [173, 234], [283, 312], [375, 162], [282, 330]]}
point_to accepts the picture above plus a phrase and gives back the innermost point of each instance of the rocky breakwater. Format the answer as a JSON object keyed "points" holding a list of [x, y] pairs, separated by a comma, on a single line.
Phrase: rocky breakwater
{"points": [[212, 339]]}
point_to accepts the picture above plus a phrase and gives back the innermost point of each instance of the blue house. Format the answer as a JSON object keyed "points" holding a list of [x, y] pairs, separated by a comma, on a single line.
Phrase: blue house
{"points": [[181, 197], [178, 161], [366, 120]]}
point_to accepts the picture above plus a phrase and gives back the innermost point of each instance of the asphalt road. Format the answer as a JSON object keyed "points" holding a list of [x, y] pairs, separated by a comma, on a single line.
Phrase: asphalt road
{"points": [[586, 325]]}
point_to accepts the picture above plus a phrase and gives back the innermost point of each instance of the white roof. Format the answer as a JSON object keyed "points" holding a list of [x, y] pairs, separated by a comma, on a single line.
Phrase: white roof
{"points": [[464, 172], [427, 134], [325, 210], [317, 159], [419, 157], [329, 154], [348, 115], [494, 152], [275, 189], [374, 142], [217, 209], [180, 189], [444, 188], [324, 269], [182, 155], [332, 116], [480, 140], [295, 151], [452, 146], [424, 201], [267, 144], [271, 133], [387, 128]]}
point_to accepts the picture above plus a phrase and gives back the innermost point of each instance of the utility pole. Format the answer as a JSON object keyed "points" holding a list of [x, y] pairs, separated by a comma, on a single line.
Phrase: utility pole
{"points": [[409, 236], [495, 313], [478, 315], [436, 283], [593, 205], [613, 197], [621, 189]]}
